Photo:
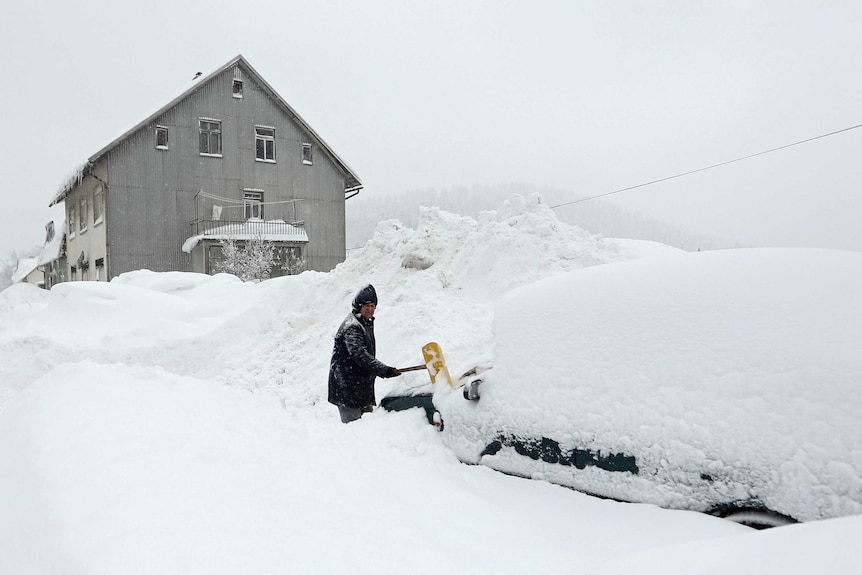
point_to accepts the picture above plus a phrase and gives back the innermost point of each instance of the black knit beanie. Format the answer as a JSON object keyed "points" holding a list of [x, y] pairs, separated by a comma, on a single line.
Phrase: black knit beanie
{"points": [[365, 295]]}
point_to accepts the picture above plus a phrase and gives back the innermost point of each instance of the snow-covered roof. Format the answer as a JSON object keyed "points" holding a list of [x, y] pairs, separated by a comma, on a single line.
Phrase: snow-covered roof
{"points": [[269, 230], [352, 181], [25, 267], [52, 247], [70, 182]]}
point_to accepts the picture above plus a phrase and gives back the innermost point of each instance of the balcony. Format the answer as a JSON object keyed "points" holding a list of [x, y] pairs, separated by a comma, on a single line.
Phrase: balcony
{"points": [[269, 230]]}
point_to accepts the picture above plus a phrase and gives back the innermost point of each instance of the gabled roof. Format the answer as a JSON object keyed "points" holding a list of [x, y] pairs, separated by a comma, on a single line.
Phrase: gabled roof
{"points": [[24, 268], [352, 182]]}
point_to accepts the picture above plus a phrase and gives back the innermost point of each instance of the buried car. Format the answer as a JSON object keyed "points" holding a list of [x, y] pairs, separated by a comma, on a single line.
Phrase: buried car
{"points": [[725, 382]]}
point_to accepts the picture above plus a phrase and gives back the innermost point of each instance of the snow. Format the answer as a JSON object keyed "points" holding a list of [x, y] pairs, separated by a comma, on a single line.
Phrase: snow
{"points": [[269, 230], [52, 248], [177, 423], [72, 179], [708, 362], [24, 268]]}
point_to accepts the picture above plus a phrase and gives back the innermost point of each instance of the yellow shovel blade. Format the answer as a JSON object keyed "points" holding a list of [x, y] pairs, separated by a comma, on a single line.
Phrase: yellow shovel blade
{"points": [[435, 362]]}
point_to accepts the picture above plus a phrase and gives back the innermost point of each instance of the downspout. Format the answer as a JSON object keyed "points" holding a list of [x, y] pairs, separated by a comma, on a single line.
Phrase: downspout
{"points": [[105, 219]]}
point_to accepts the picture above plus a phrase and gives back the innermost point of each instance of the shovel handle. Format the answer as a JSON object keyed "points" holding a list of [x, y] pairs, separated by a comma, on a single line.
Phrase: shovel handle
{"points": [[413, 368]]}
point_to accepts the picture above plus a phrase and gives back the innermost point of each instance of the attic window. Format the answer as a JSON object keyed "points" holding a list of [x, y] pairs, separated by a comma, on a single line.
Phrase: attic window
{"points": [[306, 155], [237, 88], [161, 138]]}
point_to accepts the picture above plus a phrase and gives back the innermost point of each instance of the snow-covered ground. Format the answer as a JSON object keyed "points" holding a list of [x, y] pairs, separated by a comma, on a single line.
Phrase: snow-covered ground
{"points": [[177, 423]]}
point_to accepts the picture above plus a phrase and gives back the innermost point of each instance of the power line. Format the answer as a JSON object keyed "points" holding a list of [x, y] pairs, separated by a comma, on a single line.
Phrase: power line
{"points": [[708, 167]]}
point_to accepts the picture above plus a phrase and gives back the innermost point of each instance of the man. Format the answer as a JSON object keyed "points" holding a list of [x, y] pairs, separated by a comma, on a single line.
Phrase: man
{"points": [[354, 367]]}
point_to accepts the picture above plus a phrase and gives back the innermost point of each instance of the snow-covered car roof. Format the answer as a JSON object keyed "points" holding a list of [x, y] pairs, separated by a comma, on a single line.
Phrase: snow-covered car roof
{"points": [[729, 376]]}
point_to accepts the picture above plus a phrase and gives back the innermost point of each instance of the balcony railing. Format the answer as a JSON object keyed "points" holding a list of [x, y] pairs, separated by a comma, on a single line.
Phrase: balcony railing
{"points": [[273, 230]]}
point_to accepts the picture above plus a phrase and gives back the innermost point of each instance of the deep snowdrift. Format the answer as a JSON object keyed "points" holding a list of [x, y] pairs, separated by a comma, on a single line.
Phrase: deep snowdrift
{"points": [[177, 423]]}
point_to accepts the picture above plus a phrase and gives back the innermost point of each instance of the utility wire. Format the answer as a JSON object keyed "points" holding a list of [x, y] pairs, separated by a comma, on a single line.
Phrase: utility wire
{"points": [[707, 167]]}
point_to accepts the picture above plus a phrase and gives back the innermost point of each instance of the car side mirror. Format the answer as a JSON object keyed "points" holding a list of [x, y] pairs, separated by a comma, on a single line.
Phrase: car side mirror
{"points": [[471, 390]]}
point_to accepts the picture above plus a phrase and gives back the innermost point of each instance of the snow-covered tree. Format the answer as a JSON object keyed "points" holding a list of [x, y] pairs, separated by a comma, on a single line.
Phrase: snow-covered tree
{"points": [[248, 260], [7, 268], [292, 262]]}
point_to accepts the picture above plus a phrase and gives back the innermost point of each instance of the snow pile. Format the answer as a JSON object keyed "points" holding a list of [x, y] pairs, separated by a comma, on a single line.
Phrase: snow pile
{"points": [[521, 242], [433, 282], [178, 423], [729, 364], [109, 468], [816, 547]]}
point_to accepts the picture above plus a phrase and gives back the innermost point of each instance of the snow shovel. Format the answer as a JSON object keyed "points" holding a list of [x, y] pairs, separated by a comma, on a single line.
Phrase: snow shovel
{"points": [[435, 362]]}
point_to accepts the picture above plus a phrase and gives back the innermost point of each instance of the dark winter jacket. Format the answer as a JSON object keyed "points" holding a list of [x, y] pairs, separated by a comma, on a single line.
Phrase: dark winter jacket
{"points": [[354, 368]]}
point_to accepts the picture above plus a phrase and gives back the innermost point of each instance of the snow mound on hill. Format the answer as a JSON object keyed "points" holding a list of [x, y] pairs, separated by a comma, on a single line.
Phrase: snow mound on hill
{"points": [[521, 242]]}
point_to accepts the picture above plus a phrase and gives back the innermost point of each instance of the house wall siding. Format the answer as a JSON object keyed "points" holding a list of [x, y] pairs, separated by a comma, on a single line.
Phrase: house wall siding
{"points": [[90, 243], [154, 196]]}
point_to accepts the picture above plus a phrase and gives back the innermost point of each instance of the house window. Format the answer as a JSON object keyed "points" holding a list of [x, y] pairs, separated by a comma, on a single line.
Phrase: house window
{"points": [[100, 269], [49, 232], [306, 154], [252, 202], [74, 274], [237, 88], [210, 137], [264, 143], [83, 214], [72, 220], [161, 138], [98, 206]]}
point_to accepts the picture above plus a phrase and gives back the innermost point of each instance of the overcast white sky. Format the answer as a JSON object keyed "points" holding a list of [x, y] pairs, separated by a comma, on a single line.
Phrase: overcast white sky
{"points": [[586, 96]]}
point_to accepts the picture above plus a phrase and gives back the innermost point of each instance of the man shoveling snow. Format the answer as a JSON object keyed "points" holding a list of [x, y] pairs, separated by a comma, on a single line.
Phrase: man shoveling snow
{"points": [[354, 367]]}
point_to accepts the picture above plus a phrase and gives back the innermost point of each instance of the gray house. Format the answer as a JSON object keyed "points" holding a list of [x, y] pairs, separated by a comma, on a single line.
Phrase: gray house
{"points": [[227, 159]]}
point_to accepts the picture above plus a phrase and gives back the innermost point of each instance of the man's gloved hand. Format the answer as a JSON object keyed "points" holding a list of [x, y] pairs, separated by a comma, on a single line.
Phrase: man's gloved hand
{"points": [[393, 372]]}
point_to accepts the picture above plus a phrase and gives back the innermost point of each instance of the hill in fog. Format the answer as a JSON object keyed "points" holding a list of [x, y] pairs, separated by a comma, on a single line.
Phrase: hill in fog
{"points": [[368, 209]]}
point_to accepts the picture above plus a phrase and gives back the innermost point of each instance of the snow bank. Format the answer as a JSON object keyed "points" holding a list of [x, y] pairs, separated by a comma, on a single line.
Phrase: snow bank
{"points": [[109, 468], [178, 422], [817, 547]]}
